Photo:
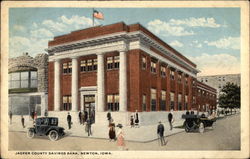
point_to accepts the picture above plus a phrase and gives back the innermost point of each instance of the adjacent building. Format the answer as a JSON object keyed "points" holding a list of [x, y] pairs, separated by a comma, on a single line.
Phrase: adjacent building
{"points": [[219, 81], [121, 68], [28, 84]]}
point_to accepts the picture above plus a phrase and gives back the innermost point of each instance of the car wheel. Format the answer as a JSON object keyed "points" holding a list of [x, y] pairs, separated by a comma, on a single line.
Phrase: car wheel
{"points": [[201, 127], [30, 133], [53, 135]]}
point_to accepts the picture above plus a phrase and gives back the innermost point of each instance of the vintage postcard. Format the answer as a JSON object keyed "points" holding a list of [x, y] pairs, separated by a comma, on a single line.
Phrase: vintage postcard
{"points": [[125, 79]]}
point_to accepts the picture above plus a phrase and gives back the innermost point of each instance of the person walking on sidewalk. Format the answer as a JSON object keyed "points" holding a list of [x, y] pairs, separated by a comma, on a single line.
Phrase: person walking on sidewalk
{"points": [[112, 135], [69, 120], [22, 121], [160, 133], [10, 115], [136, 119], [132, 121], [170, 119], [120, 138], [88, 126], [80, 117], [109, 117]]}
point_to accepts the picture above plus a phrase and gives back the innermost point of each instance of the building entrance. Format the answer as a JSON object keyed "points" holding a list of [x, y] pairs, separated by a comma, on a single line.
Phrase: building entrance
{"points": [[89, 106]]}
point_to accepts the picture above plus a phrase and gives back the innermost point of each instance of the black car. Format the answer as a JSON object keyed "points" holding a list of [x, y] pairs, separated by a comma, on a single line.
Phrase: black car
{"points": [[46, 126], [197, 122]]}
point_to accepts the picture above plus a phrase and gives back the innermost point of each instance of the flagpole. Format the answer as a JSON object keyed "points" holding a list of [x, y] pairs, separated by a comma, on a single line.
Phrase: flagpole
{"points": [[93, 18]]}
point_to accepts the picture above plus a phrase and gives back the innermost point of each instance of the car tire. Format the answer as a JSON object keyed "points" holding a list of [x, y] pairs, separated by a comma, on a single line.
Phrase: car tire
{"points": [[53, 135], [30, 133], [201, 127]]}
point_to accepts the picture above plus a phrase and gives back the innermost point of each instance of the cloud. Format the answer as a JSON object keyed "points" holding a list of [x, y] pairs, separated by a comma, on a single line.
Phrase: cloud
{"points": [[216, 64], [226, 43], [41, 33], [65, 24], [19, 28], [176, 43], [196, 22], [195, 43], [19, 44], [165, 29]]}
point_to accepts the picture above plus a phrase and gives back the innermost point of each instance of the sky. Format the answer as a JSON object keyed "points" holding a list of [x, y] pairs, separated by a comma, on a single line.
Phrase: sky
{"points": [[209, 37]]}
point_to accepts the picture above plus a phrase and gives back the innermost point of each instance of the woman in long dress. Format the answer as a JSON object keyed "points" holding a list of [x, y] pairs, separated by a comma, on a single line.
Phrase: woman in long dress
{"points": [[120, 137], [112, 135]]}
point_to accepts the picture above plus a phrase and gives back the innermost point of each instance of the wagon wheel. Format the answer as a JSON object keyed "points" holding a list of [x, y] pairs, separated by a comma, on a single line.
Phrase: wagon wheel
{"points": [[53, 135], [30, 133], [201, 127]]}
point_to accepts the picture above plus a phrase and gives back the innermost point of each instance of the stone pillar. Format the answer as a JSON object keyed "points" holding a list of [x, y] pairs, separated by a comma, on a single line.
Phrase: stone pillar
{"points": [[74, 84], [57, 95], [100, 83], [123, 81]]}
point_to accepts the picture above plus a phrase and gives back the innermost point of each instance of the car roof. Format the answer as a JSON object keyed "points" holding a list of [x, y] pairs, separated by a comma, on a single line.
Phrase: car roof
{"points": [[47, 118]]}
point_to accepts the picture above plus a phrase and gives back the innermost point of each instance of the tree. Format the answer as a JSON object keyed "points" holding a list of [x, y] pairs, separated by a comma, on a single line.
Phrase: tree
{"points": [[230, 96]]}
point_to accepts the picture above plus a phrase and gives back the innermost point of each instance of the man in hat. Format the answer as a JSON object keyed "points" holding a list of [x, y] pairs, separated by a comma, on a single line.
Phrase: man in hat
{"points": [[69, 120], [160, 132], [170, 119]]}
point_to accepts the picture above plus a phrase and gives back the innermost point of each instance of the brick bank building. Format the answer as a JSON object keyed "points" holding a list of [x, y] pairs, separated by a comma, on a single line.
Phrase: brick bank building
{"points": [[121, 68]]}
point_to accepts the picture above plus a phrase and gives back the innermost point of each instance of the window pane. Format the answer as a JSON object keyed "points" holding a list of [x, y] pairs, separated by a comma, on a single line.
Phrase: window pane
{"points": [[24, 84], [33, 83], [15, 84], [15, 76], [33, 75]]}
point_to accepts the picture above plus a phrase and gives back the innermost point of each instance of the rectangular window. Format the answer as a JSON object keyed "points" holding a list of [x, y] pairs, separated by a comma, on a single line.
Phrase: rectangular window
{"points": [[163, 100], [179, 102], [144, 63], [194, 99], [67, 67], [163, 71], [186, 80], [24, 79], [113, 102], [153, 67], [186, 102], [172, 100], [110, 63], [95, 64], [110, 102], [33, 79], [153, 99], [172, 74], [67, 103], [116, 61], [83, 66], [179, 78], [89, 65], [144, 105]]}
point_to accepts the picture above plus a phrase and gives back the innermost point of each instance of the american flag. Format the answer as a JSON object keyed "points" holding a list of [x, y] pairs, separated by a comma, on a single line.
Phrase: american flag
{"points": [[98, 15]]}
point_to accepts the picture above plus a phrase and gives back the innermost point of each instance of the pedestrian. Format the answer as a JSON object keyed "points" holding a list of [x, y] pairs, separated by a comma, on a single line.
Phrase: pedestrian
{"points": [[69, 120], [120, 138], [132, 121], [35, 115], [89, 127], [160, 133], [22, 121], [85, 116], [170, 119], [109, 117], [112, 135], [46, 113], [32, 114], [136, 119], [80, 117], [10, 115]]}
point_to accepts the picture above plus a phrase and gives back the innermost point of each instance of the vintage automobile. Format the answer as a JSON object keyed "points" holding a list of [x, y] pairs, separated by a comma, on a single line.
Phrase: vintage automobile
{"points": [[197, 122], [46, 126]]}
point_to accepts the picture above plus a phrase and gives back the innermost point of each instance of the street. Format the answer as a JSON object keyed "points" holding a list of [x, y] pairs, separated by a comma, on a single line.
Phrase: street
{"points": [[224, 136]]}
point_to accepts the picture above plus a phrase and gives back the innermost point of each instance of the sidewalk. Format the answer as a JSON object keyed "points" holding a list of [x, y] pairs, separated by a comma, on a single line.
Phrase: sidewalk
{"points": [[142, 134]]}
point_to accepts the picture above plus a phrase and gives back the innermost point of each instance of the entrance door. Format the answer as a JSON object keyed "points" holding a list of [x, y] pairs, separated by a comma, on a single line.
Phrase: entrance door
{"points": [[89, 106]]}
